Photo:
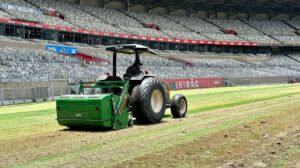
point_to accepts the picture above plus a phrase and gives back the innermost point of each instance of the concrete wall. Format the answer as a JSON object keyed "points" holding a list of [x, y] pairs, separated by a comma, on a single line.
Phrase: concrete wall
{"points": [[201, 14], [179, 12], [116, 5], [21, 44], [221, 15], [281, 17], [138, 8], [297, 18], [159, 10], [92, 2], [243, 16], [256, 81], [260, 17], [29, 90], [73, 1]]}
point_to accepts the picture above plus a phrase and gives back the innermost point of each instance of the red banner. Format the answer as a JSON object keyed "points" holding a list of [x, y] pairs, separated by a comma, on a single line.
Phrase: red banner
{"points": [[129, 36], [194, 83]]}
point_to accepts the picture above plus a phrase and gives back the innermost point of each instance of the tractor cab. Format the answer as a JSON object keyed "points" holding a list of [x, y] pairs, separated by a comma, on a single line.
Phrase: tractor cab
{"points": [[133, 71], [137, 94]]}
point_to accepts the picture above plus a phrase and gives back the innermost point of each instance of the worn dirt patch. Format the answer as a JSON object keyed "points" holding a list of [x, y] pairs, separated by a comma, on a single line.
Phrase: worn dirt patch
{"points": [[267, 142]]}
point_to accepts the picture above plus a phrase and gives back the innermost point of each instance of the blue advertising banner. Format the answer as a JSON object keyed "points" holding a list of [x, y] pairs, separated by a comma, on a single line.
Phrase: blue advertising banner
{"points": [[62, 49]]}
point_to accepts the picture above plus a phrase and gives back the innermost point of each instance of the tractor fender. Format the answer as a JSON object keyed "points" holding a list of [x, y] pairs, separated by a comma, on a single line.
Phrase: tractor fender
{"points": [[137, 80], [140, 77]]}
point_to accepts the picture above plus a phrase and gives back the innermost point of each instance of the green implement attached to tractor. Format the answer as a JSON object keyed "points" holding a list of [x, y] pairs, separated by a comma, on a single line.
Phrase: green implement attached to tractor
{"points": [[112, 101]]}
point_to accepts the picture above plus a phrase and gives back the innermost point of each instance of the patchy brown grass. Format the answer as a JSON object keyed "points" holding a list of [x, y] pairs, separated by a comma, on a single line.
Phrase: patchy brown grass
{"points": [[249, 134], [271, 141]]}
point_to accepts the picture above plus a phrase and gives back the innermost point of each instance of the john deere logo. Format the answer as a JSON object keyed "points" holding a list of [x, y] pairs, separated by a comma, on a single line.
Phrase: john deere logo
{"points": [[77, 115]]}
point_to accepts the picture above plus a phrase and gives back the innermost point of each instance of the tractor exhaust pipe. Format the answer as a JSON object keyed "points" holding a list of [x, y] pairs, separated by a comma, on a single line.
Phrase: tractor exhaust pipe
{"points": [[115, 64]]}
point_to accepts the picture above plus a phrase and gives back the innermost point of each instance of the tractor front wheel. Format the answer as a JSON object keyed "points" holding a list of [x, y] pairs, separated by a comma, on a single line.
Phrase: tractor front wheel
{"points": [[149, 101], [179, 106]]}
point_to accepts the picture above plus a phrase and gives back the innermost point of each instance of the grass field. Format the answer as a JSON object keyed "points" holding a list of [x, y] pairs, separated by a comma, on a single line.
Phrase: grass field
{"points": [[253, 126]]}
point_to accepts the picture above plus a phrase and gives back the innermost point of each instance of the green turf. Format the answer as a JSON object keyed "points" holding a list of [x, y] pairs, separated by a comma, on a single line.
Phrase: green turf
{"points": [[18, 121], [23, 120], [216, 98], [164, 138]]}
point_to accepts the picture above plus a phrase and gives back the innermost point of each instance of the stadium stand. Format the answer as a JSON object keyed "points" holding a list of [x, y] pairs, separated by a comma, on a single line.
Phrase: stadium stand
{"points": [[75, 16], [296, 24], [196, 42], [163, 22], [19, 3], [295, 56], [272, 27], [262, 39], [196, 24], [185, 35], [24, 64], [264, 32], [31, 64], [9, 38], [39, 18], [289, 39], [4, 15], [112, 16], [144, 32], [236, 25], [224, 37]]}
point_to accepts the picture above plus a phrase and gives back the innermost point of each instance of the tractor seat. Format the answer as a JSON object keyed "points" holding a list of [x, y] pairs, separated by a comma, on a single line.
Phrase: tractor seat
{"points": [[131, 71], [116, 91]]}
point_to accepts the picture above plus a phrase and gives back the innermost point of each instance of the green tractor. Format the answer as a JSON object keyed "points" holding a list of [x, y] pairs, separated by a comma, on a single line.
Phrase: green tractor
{"points": [[111, 102]]}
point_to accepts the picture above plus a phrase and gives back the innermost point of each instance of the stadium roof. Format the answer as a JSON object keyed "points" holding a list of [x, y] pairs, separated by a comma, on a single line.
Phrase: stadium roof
{"points": [[247, 6]]}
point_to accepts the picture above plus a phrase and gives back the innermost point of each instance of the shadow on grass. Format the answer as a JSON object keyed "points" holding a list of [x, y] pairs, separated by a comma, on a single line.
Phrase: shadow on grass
{"points": [[168, 116], [104, 129], [135, 122], [86, 129]]}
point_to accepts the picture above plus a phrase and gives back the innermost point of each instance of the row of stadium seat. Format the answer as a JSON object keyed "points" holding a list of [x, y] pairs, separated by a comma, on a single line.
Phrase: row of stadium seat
{"points": [[111, 20], [31, 64]]}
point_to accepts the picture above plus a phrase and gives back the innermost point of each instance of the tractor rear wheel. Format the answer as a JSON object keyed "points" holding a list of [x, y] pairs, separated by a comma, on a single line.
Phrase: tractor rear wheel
{"points": [[149, 101], [135, 104]]}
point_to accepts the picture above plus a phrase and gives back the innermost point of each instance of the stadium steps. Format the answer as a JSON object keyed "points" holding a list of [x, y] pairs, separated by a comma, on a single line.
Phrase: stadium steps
{"points": [[124, 13], [167, 33], [13, 17], [291, 58], [221, 28], [142, 23], [90, 13], [188, 28], [261, 31], [31, 4], [290, 25], [10, 16]]}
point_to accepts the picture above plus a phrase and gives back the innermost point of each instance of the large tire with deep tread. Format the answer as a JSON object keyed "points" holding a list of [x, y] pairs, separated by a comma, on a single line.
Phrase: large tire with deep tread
{"points": [[149, 101], [179, 106], [135, 104]]}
